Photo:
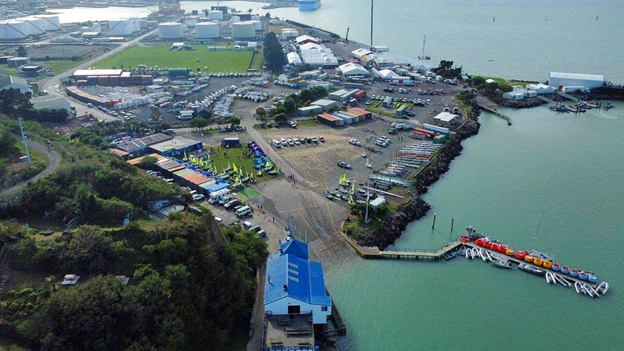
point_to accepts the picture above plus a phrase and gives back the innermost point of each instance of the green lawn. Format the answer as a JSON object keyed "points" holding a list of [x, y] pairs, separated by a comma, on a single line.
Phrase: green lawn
{"points": [[248, 194], [258, 60], [57, 66], [161, 56]]}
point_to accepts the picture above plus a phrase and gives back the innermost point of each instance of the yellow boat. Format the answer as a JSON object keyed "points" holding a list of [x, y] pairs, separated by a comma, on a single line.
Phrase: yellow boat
{"points": [[547, 264], [509, 252], [528, 258], [538, 261]]}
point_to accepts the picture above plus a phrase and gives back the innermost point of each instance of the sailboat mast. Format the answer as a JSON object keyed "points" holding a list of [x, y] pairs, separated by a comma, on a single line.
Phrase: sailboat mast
{"points": [[537, 230]]}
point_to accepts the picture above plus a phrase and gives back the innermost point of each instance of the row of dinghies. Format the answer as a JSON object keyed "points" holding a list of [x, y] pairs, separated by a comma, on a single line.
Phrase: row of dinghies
{"points": [[491, 250]]}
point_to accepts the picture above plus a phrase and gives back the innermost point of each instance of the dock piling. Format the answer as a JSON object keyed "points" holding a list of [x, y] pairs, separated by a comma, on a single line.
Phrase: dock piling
{"points": [[434, 220], [452, 223]]}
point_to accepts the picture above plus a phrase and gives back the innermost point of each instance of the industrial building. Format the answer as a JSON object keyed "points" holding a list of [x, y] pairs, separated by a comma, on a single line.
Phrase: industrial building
{"points": [[353, 71], [309, 110], [49, 102], [288, 34], [587, 81], [176, 146], [294, 59], [139, 146], [13, 82], [445, 119], [306, 39], [541, 88], [317, 55], [124, 27], [294, 297], [325, 104]]}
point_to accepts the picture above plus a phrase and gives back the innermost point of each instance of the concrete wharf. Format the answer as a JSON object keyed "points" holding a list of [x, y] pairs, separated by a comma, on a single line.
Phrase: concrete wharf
{"points": [[489, 106]]}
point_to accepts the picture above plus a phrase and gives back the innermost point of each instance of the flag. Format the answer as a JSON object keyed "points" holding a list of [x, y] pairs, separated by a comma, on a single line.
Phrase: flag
{"points": [[267, 164], [240, 171], [229, 165], [237, 180], [185, 157], [234, 167]]}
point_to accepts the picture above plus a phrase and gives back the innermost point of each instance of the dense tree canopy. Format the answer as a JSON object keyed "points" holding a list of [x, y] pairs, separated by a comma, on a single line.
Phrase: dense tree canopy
{"points": [[273, 53]]}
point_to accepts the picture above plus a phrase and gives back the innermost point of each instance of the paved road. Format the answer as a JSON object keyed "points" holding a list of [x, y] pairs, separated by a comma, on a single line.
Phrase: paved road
{"points": [[53, 85], [54, 158]]}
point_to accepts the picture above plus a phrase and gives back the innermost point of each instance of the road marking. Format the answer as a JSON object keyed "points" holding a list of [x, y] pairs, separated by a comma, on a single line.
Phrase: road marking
{"points": [[299, 209], [330, 216]]}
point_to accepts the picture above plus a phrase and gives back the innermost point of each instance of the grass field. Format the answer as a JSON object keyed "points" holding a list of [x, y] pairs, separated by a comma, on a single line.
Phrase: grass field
{"points": [[161, 56]]}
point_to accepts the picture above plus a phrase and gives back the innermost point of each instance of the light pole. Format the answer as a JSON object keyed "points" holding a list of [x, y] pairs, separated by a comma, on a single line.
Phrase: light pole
{"points": [[24, 140]]}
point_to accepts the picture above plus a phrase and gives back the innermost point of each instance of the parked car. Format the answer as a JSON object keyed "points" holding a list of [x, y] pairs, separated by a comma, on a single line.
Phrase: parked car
{"points": [[344, 165]]}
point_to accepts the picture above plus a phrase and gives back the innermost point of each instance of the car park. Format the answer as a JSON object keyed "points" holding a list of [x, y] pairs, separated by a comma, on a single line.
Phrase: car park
{"points": [[321, 139], [262, 233], [314, 140], [198, 197]]}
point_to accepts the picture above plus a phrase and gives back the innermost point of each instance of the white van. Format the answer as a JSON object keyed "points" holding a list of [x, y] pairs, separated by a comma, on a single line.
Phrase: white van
{"points": [[243, 211]]}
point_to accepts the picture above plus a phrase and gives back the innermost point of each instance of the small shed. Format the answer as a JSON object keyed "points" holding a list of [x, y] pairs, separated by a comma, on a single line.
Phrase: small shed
{"points": [[70, 279], [309, 110], [375, 204], [154, 88], [445, 119]]}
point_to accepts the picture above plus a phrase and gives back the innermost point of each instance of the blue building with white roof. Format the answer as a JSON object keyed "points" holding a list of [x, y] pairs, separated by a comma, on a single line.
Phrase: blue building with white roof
{"points": [[295, 285]]}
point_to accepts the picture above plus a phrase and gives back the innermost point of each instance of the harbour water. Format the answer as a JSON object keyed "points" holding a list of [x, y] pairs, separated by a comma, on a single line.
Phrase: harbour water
{"points": [[568, 166]]}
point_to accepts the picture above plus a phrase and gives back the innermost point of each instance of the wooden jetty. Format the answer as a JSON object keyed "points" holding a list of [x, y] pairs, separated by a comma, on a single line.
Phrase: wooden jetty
{"points": [[483, 103], [568, 96], [339, 326], [545, 99]]}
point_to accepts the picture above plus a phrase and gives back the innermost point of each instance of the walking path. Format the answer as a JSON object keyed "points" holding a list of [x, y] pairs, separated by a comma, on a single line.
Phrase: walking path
{"points": [[54, 158]]}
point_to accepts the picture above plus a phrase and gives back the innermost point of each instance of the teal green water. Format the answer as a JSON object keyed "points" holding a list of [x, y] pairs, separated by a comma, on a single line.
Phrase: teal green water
{"points": [[571, 168]]}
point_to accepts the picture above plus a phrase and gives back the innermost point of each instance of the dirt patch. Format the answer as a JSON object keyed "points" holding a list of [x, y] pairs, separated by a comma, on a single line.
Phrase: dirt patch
{"points": [[54, 51]]}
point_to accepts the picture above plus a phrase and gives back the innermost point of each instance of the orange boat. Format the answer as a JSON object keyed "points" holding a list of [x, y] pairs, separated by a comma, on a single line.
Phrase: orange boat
{"points": [[538, 261], [528, 258], [547, 264], [509, 252]]}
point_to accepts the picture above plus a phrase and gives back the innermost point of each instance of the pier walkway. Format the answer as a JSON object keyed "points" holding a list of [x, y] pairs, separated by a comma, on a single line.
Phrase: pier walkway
{"points": [[568, 96], [489, 106], [545, 99], [437, 254]]}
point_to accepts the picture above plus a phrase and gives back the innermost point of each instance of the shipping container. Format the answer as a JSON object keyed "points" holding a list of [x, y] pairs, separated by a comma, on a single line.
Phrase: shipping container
{"points": [[359, 95], [329, 120]]}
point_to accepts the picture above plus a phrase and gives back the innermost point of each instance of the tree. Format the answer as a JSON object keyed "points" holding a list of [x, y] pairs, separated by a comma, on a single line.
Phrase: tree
{"points": [[235, 121], [290, 105], [7, 142], [13, 103], [477, 81], [198, 123], [281, 118], [273, 53], [92, 251], [261, 112], [21, 51], [306, 95]]}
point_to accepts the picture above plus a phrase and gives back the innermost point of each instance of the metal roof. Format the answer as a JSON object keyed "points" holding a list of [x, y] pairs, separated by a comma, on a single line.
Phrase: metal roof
{"points": [[445, 117], [97, 72], [291, 274], [562, 75], [9, 80]]}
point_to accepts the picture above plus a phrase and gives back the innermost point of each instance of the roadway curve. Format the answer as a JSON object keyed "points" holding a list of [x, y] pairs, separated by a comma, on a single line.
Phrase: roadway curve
{"points": [[54, 158], [53, 84]]}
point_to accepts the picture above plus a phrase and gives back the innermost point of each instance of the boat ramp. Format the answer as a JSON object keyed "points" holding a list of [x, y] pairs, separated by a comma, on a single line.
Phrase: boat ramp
{"points": [[483, 103]]}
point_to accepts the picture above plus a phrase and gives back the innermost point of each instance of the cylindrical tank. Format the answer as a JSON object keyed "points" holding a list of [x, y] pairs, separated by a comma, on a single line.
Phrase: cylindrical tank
{"points": [[51, 22], [13, 30], [207, 30], [170, 30], [255, 18], [36, 26], [121, 27], [215, 15], [257, 25], [184, 28], [243, 30]]}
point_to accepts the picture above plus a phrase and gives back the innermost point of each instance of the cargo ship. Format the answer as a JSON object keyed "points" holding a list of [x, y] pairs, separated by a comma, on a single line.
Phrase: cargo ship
{"points": [[309, 5]]}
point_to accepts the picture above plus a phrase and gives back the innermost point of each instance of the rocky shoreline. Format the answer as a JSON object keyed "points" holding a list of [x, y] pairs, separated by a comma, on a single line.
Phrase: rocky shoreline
{"points": [[527, 103], [392, 227]]}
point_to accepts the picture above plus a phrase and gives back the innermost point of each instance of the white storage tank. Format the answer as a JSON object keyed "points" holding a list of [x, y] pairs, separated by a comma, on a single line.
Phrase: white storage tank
{"points": [[207, 30], [215, 15], [52, 22], [255, 18], [121, 27], [13, 30], [234, 19], [257, 25], [36, 26], [170, 30], [184, 28], [242, 30]]}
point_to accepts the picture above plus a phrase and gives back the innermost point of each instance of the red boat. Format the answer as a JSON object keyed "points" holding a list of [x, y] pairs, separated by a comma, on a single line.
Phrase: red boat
{"points": [[495, 247], [487, 244], [502, 249], [479, 242], [520, 255]]}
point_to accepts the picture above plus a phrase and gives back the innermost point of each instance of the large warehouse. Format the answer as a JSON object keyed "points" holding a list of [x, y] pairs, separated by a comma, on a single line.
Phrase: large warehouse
{"points": [[559, 79]]}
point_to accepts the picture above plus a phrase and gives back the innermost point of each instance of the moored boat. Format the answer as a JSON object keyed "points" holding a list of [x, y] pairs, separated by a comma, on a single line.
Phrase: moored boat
{"points": [[582, 276], [528, 258], [574, 273], [579, 288], [592, 278], [509, 252], [506, 264], [603, 288], [565, 270], [502, 249], [556, 267], [521, 254], [547, 264], [450, 255], [479, 242], [561, 280], [487, 244], [530, 269], [550, 279], [537, 261]]}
